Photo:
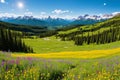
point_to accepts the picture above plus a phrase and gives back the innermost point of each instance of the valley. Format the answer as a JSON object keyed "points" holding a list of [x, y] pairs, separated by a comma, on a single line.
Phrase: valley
{"points": [[54, 48]]}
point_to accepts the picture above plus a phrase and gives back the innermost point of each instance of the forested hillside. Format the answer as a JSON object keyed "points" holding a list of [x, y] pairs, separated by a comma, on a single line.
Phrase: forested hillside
{"points": [[11, 41], [100, 33], [23, 28]]}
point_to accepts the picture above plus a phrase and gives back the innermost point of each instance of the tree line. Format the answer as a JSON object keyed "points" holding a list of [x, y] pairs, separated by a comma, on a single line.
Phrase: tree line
{"points": [[106, 36], [94, 27], [11, 41]]}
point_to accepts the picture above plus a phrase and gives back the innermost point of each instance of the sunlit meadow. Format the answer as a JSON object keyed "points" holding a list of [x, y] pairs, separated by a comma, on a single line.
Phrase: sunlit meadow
{"points": [[33, 67]]}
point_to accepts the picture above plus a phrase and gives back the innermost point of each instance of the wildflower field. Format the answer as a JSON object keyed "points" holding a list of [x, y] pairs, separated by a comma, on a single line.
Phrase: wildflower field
{"points": [[92, 65], [75, 54], [60, 60]]}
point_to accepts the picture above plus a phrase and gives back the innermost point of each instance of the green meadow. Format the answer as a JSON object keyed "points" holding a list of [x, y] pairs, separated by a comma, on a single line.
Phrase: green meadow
{"points": [[51, 44]]}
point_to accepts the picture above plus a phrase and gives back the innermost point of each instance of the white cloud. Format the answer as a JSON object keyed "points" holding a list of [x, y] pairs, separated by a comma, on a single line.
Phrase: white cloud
{"points": [[59, 11], [42, 16], [115, 13], [28, 13], [8, 15], [63, 17], [2, 1]]}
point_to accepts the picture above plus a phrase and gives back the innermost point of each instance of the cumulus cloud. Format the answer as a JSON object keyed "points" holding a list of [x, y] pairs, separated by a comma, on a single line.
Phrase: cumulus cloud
{"points": [[59, 11], [69, 17], [2, 1]]}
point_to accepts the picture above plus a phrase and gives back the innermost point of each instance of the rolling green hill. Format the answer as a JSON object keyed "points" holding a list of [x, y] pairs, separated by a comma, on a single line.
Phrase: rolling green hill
{"points": [[96, 33], [113, 22]]}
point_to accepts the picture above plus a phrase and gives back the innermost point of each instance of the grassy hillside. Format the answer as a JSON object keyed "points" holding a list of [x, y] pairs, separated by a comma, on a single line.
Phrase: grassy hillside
{"points": [[100, 33], [113, 22]]}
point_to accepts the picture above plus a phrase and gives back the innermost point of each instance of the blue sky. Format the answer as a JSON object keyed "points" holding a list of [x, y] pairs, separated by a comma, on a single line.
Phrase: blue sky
{"points": [[58, 8]]}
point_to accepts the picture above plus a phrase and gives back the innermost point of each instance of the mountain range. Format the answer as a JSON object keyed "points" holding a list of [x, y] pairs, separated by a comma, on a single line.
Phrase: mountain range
{"points": [[53, 23]]}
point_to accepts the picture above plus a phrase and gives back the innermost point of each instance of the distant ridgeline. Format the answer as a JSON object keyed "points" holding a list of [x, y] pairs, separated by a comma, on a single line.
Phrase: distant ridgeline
{"points": [[11, 41], [32, 30], [40, 31], [100, 33]]}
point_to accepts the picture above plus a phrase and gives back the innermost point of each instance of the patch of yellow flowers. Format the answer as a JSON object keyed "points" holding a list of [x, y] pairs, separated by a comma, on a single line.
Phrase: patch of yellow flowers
{"points": [[77, 54]]}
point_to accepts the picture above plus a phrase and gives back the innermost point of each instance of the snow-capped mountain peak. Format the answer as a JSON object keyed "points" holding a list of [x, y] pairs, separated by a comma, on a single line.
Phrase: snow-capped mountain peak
{"points": [[95, 17]]}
